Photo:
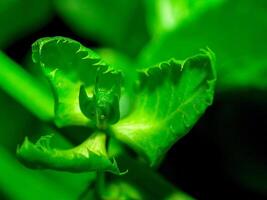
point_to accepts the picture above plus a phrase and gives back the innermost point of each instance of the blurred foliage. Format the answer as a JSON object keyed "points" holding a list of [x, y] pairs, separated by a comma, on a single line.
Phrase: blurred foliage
{"points": [[14, 178], [19, 18], [11, 134], [18, 182], [119, 24], [166, 15], [230, 29], [30, 92]]}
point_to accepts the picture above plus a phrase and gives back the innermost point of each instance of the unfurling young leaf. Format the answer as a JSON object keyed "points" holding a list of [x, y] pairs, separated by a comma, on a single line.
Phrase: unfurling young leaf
{"points": [[91, 155], [68, 65], [169, 100], [103, 106]]}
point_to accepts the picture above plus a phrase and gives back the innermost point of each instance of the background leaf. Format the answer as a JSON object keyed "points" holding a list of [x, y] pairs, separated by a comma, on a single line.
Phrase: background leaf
{"points": [[166, 15], [119, 24], [14, 178], [27, 16], [237, 36]]}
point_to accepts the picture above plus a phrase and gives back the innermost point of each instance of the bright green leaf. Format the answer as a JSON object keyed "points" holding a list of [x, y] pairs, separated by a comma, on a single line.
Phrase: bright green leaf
{"points": [[169, 100], [68, 65], [91, 155]]}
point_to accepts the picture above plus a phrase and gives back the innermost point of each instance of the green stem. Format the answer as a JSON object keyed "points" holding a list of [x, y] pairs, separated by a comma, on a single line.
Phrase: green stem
{"points": [[100, 184], [25, 89]]}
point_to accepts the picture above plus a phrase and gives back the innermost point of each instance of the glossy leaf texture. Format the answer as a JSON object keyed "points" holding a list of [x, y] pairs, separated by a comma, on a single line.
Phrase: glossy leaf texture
{"points": [[117, 24], [121, 62], [91, 155], [229, 29], [103, 106], [68, 65], [170, 98]]}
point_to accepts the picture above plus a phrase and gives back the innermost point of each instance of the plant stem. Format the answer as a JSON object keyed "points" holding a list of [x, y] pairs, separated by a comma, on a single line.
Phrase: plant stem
{"points": [[100, 184], [25, 89]]}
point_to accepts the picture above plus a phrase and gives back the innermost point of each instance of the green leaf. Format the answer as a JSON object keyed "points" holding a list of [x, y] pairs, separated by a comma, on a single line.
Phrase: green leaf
{"points": [[91, 155], [117, 24], [103, 106], [68, 65], [169, 100]]}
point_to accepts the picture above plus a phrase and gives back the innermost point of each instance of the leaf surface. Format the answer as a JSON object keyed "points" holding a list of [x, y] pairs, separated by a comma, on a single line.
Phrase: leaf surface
{"points": [[68, 65], [169, 100], [91, 155]]}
